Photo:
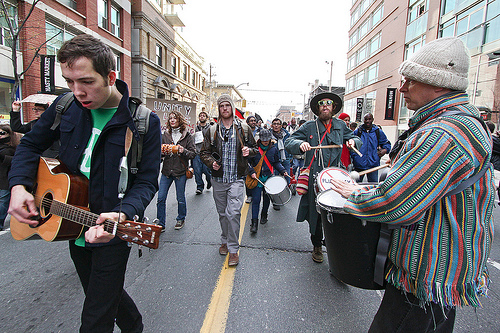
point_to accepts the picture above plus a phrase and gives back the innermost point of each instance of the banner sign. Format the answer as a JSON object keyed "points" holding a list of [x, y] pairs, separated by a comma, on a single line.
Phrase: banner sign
{"points": [[359, 109], [163, 107], [389, 103], [47, 66]]}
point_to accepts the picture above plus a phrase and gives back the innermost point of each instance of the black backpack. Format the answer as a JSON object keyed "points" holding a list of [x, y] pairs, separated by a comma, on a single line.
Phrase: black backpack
{"points": [[140, 114]]}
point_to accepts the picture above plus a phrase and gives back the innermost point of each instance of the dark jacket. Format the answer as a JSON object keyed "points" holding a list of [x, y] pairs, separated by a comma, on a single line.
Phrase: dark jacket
{"points": [[312, 132], [273, 157], [495, 156], [74, 132], [175, 165], [371, 142], [214, 144], [6, 154], [17, 126]]}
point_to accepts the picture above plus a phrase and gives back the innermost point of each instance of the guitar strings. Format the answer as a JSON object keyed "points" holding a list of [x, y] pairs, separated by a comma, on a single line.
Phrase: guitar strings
{"points": [[61, 206]]}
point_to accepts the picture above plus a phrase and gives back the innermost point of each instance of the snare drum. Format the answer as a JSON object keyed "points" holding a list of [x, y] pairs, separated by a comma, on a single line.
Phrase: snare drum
{"points": [[278, 191], [323, 179]]}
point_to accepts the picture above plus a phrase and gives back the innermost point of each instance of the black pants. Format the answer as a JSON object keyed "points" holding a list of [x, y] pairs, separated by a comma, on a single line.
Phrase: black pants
{"points": [[102, 274], [402, 313], [317, 237]]}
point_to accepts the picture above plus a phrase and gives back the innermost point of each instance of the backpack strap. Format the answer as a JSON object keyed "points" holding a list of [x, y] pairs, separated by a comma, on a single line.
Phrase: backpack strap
{"points": [[62, 105], [140, 114]]}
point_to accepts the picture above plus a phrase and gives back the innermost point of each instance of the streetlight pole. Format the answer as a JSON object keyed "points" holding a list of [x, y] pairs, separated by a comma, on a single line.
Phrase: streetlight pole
{"points": [[247, 83], [331, 71]]}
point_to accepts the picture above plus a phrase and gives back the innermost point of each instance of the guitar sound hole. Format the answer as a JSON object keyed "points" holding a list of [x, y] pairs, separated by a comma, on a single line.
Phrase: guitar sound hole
{"points": [[45, 205]]}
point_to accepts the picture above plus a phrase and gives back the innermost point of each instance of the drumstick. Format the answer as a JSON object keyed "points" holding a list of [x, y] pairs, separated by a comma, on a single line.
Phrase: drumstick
{"points": [[373, 169], [356, 151], [329, 146], [267, 188]]}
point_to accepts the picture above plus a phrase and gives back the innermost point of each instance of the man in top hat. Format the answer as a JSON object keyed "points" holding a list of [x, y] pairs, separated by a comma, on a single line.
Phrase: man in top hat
{"points": [[226, 146], [438, 197], [325, 130]]}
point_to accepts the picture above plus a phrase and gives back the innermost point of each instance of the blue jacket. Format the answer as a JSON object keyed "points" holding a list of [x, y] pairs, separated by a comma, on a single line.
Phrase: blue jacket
{"points": [[74, 132], [370, 157], [273, 158]]}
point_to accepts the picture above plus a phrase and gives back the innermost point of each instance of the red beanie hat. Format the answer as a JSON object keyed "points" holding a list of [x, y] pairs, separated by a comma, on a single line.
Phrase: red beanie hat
{"points": [[343, 115]]}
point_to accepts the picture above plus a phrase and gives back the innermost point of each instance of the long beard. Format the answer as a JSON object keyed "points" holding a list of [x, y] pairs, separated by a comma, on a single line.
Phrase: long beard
{"points": [[325, 116]]}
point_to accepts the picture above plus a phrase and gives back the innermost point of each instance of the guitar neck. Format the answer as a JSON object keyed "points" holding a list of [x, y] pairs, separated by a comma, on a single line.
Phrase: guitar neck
{"points": [[77, 215]]}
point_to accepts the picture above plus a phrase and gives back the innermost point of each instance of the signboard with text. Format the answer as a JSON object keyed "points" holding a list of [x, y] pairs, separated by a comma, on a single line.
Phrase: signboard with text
{"points": [[163, 108], [389, 103]]}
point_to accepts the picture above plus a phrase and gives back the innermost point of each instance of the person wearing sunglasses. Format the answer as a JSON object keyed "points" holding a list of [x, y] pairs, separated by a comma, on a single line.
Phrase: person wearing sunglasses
{"points": [[8, 144], [226, 146], [324, 130]]}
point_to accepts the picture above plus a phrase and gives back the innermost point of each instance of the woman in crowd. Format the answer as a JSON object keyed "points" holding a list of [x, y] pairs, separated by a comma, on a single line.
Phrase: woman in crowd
{"points": [[177, 148], [8, 143], [270, 162]]}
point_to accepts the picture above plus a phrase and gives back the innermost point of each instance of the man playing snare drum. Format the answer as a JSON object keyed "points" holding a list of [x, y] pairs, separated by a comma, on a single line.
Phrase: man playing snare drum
{"points": [[438, 196], [325, 130]]}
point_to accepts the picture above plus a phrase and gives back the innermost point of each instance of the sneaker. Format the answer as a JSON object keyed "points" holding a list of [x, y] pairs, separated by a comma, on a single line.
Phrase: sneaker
{"points": [[162, 228], [248, 200], [233, 259], [179, 224], [317, 254], [223, 249], [198, 191]]}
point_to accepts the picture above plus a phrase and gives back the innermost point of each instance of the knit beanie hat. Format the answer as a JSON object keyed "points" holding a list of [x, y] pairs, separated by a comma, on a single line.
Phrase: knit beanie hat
{"points": [[265, 135], [443, 62], [343, 115], [225, 98]]}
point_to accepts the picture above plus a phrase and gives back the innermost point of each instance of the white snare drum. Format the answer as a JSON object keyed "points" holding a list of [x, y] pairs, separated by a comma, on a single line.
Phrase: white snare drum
{"points": [[278, 191], [323, 179], [331, 201]]}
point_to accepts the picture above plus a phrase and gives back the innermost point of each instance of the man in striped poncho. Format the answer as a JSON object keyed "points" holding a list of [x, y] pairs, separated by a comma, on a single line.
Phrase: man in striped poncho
{"points": [[438, 195]]}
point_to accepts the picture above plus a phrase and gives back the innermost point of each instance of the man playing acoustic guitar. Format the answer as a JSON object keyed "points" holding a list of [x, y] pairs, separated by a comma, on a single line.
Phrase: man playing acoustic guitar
{"points": [[93, 132]]}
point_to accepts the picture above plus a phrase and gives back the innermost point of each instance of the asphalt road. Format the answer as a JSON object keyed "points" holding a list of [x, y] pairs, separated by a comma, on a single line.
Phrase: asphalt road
{"points": [[184, 285]]}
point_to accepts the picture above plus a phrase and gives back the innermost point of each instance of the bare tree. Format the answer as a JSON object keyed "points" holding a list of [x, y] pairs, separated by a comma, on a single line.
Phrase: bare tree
{"points": [[12, 35]]}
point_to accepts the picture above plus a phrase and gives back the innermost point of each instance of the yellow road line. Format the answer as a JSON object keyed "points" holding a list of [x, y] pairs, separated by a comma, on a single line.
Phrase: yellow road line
{"points": [[216, 315]]}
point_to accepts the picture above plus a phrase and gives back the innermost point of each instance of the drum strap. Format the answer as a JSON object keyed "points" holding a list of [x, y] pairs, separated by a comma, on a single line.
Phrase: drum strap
{"points": [[320, 141], [381, 256], [263, 153]]}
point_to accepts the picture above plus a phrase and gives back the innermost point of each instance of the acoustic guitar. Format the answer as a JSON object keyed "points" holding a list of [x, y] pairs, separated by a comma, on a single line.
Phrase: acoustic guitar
{"points": [[62, 201]]}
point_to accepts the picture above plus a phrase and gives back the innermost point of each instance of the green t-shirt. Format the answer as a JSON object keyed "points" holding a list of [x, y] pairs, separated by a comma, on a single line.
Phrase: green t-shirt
{"points": [[100, 117]]}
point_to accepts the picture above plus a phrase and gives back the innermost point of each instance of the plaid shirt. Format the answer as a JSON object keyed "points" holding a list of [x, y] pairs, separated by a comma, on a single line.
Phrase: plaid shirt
{"points": [[229, 155]]}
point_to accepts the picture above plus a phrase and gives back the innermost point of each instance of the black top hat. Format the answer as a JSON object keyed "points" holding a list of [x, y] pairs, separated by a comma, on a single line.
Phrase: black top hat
{"points": [[337, 101]]}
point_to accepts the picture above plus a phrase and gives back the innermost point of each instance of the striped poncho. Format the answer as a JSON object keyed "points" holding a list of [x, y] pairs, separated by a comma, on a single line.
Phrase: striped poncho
{"points": [[440, 253]]}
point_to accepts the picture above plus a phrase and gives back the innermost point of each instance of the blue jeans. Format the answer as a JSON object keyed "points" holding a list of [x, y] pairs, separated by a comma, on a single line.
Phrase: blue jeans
{"points": [[257, 193], [296, 165], [4, 205], [180, 189], [199, 169]]}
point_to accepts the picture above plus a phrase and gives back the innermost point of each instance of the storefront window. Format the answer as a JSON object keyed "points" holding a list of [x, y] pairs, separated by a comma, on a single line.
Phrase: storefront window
{"points": [[6, 86]]}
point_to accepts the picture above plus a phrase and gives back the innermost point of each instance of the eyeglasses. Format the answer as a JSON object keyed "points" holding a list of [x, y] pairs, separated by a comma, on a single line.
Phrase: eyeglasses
{"points": [[327, 102], [3, 133]]}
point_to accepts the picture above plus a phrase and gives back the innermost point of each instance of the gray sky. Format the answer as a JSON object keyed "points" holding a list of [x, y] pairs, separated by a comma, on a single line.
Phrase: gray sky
{"points": [[278, 46]]}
